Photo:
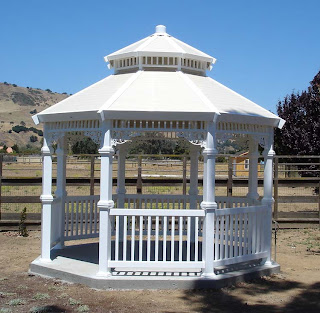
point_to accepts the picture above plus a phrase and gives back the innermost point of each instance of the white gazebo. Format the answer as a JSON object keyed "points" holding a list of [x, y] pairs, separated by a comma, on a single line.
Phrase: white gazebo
{"points": [[159, 85]]}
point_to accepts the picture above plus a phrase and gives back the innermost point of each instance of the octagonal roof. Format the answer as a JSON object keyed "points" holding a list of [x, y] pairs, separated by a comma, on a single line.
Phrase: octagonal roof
{"points": [[161, 78]]}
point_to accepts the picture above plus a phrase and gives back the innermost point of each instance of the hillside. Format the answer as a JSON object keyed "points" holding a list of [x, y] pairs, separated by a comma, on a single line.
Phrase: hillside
{"points": [[17, 105]]}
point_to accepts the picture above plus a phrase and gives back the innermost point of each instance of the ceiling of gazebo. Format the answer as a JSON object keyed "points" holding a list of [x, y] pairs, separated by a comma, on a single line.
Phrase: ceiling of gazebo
{"points": [[159, 94]]}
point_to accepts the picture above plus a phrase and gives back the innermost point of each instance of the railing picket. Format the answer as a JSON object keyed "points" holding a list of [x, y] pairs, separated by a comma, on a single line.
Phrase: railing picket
{"points": [[156, 257], [226, 236], [95, 216], [172, 237], [241, 217], [164, 245], [231, 249], [91, 215], [67, 209], [117, 239], [180, 237], [86, 218], [149, 239], [188, 237], [77, 218], [196, 241], [133, 230], [140, 237], [81, 219], [72, 209], [125, 228], [222, 237], [216, 239], [236, 244]]}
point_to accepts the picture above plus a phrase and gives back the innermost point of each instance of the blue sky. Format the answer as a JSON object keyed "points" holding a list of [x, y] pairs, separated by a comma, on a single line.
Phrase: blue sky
{"points": [[264, 49]]}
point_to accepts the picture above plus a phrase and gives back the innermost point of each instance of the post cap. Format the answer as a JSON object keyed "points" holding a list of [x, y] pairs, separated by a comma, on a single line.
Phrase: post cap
{"points": [[161, 29]]}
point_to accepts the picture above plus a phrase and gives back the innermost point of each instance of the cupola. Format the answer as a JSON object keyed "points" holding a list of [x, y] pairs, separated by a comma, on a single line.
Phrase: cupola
{"points": [[160, 51]]}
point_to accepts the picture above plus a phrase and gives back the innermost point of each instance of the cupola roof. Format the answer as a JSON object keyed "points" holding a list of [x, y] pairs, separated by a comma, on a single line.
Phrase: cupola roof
{"points": [[160, 50]]}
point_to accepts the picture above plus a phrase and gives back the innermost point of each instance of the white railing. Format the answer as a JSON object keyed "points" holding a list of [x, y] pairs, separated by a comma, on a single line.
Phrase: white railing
{"points": [[81, 217], [234, 202], [176, 202], [157, 238], [240, 234]]}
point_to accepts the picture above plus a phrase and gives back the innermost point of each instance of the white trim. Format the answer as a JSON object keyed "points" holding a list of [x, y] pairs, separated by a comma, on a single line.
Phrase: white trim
{"points": [[199, 93], [117, 94]]}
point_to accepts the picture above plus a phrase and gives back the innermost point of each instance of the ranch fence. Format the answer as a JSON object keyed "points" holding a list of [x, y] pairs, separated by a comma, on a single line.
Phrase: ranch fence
{"points": [[296, 183]]}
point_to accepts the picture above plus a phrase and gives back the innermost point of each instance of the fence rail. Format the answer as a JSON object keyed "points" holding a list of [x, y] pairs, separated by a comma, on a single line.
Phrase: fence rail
{"points": [[296, 194]]}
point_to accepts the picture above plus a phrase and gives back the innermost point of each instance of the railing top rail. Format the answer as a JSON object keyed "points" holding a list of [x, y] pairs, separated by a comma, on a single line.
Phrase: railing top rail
{"points": [[156, 196], [156, 212], [249, 209], [81, 198]]}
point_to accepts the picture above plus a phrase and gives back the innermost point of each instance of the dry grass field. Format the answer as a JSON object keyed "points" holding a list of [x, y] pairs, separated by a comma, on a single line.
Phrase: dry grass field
{"points": [[296, 289]]}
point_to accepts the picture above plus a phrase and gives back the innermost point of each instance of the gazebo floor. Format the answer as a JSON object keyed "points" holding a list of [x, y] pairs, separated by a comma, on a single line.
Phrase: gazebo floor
{"points": [[79, 264]]}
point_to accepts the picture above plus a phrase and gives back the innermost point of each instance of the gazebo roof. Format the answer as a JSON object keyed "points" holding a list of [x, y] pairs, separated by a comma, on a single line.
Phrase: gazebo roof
{"points": [[160, 43], [160, 90]]}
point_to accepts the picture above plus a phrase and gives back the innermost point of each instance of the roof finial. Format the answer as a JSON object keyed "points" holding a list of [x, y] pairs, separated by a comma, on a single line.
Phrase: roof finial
{"points": [[161, 29]]}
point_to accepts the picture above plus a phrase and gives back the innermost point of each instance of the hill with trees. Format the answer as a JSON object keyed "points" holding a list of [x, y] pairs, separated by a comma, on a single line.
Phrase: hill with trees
{"points": [[17, 105]]}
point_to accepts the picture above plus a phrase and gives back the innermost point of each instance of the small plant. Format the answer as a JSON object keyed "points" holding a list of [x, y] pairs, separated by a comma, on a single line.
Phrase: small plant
{"points": [[41, 296], [83, 308], [5, 310], [7, 294], [74, 302], [63, 295], [22, 226], [15, 302]]}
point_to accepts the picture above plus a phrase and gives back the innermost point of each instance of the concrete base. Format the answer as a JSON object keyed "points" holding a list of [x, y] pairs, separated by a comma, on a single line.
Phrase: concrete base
{"points": [[79, 264]]}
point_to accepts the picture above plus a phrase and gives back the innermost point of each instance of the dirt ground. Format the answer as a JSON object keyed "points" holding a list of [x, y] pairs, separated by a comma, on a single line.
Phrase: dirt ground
{"points": [[295, 289]]}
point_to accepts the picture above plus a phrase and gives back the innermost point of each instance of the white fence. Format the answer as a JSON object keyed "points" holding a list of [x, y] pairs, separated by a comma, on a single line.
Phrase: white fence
{"points": [[240, 234], [157, 232], [81, 217], [157, 238]]}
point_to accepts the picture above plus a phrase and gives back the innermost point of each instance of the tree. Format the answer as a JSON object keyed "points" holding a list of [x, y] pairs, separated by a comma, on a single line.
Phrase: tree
{"points": [[33, 138], [301, 132], [85, 146], [15, 148]]}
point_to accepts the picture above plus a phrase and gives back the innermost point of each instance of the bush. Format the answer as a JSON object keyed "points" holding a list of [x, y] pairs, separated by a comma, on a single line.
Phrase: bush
{"points": [[22, 226], [33, 138], [14, 85], [19, 128]]}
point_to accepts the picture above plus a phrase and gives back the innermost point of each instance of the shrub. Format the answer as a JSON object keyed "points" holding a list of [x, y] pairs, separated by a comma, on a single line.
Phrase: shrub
{"points": [[33, 138], [22, 226], [14, 85]]}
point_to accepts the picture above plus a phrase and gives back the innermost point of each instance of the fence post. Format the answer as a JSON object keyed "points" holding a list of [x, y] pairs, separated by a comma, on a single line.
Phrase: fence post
{"points": [[1, 163], [276, 190], [139, 179], [92, 175], [229, 182], [184, 175]]}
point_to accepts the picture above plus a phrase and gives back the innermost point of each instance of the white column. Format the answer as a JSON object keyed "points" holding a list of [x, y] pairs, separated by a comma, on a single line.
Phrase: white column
{"points": [[209, 204], [121, 183], [193, 191], [61, 192], [46, 198], [253, 170], [105, 203], [267, 193]]}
